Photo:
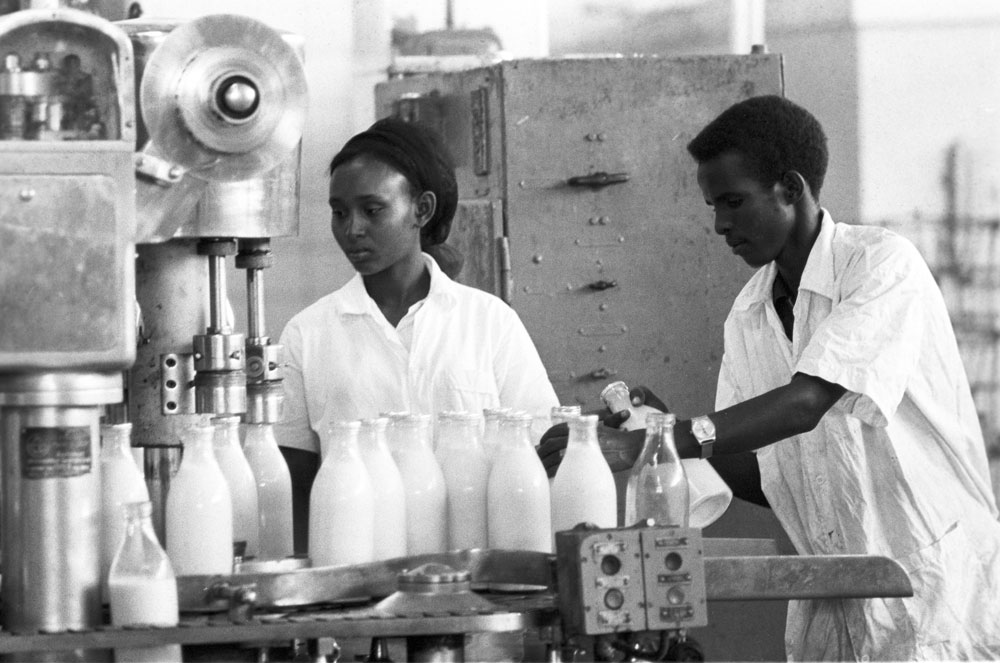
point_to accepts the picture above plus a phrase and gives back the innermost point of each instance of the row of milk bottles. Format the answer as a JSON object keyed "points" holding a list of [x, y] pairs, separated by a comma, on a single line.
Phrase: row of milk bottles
{"points": [[409, 484], [396, 485], [226, 500]]}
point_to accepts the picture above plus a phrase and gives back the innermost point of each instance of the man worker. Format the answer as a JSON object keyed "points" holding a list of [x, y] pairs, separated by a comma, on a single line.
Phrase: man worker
{"points": [[842, 375]]}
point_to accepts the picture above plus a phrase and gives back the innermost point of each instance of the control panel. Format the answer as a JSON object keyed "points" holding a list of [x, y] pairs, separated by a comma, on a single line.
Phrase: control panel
{"points": [[631, 579]]}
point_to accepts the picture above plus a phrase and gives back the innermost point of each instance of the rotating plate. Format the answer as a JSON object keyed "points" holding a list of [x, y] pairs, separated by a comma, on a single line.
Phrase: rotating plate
{"points": [[225, 97]]}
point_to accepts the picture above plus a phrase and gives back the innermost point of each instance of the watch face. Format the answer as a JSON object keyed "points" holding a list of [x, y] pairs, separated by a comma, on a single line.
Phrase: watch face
{"points": [[703, 428]]}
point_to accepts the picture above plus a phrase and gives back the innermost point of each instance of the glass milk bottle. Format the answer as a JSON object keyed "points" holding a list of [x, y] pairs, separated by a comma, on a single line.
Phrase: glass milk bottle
{"points": [[199, 513], [491, 429], [518, 508], [466, 474], [387, 487], [561, 414], [242, 485], [141, 585], [342, 503], [616, 397], [392, 439], [122, 482], [584, 488], [710, 496], [274, 491], [657, 484], [426, 494]]}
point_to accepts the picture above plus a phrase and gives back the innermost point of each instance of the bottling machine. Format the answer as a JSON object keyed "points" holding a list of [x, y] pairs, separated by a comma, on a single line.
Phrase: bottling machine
{"points": [[137, 157]]}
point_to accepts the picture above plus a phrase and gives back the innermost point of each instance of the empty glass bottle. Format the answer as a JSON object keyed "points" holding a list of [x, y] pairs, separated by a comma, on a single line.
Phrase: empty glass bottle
{"points": [[141, 585], [657, 485], [563, 413], [274, 491], [341, 503], [122, 482], [242, 485]]}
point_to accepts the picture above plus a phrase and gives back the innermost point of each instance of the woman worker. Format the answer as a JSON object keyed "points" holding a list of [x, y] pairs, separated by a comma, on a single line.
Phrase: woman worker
{"points": [[401, 335]]}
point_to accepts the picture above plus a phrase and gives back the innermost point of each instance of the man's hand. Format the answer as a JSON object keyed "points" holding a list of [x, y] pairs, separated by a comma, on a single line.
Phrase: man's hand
{"points": [[620, 448], [644, 396]]}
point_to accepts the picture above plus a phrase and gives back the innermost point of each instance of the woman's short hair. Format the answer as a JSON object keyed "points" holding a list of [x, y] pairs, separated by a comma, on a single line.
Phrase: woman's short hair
{"points": [[773, 134], [420, 155]]}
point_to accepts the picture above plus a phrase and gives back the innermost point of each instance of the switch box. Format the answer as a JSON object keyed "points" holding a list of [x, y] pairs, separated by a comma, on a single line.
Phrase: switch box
{"points": [[635, 579]]}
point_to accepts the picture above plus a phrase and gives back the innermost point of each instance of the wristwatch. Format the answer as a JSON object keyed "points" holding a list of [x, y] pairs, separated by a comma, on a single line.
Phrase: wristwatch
{"points": [[704, 431]]}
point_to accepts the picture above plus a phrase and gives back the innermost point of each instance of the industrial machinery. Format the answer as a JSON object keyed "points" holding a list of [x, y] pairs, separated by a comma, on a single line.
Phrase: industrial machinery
{"points": [[139, 156]]}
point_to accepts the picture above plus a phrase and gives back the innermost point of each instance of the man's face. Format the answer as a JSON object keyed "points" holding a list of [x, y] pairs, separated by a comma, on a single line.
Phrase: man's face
{"points": [[754, 219]]}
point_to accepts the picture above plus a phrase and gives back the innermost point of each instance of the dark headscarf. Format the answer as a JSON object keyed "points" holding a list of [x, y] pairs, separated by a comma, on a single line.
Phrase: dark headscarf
{"points": [[421, 157]]}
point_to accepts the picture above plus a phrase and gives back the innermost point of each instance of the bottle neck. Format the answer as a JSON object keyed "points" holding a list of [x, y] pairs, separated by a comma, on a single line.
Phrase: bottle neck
{"points": [[583, 432], [198, 443], [116, 440], [660, 442], [344, 439], [458, 433], [515, 434]]}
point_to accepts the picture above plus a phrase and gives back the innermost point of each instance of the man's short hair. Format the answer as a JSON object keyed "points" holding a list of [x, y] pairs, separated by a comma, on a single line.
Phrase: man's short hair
{"points": [[773, 134]]}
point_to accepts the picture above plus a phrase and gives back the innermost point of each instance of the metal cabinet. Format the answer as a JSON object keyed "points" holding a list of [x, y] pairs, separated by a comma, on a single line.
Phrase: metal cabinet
{"points": [[580, 207]]}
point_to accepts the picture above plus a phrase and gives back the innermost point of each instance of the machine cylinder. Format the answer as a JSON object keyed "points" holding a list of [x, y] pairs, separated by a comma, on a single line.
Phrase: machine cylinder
{"points": [[51, 528]]}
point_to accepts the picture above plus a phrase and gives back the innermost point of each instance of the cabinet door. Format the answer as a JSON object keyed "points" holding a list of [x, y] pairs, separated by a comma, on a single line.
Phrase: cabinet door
{"points": [[615, 267]]}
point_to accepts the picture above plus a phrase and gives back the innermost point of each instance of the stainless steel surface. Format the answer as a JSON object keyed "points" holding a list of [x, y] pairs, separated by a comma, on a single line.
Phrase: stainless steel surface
{"points": [[805, 577], [185, 84], [51, 517], [757, 573], [359, 622]]}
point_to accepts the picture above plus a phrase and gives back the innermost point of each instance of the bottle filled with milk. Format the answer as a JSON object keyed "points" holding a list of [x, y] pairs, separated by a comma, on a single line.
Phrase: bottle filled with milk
{"points": [[122, 482], [584, 488], [242, 485], [274, 491], [387, 489], [466, 472], [424, 484], [141, 585], [519, 515], [341, 503], [199, 513], [491, 430]]}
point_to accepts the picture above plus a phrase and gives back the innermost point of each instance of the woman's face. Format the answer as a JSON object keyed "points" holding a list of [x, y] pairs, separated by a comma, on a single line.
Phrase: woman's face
{"points": [[374, 214]]}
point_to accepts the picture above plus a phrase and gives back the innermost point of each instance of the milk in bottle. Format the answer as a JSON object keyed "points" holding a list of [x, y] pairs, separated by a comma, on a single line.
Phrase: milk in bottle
{"points": [[122, 482], [199, 512], [274, 491], [491, 429], [423, 481], [583, 489], [387, 486], [341, 503], [141, 586], [242, 485], [466, 473], [518, 508]]}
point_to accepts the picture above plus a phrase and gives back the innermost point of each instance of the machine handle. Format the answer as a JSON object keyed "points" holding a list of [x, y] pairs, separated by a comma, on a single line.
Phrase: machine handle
{"points": [[601, 373], [603, 284], [598, 180]]}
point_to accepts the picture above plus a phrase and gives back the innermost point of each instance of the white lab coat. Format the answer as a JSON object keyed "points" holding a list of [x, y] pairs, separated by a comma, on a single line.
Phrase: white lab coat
{"points": [[896, 468], [458, 349]]}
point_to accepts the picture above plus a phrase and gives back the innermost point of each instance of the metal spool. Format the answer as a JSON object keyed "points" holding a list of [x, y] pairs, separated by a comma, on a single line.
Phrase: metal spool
{"points": [[225, 97]]}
